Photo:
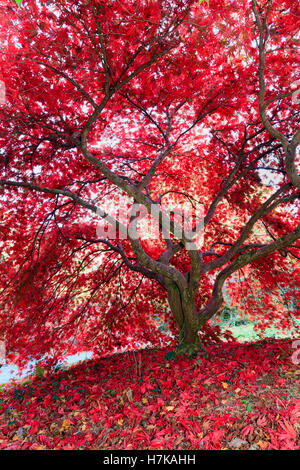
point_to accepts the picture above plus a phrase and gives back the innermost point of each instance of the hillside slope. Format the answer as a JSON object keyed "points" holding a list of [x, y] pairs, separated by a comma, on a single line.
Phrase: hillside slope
{"points": [[235, 396]]}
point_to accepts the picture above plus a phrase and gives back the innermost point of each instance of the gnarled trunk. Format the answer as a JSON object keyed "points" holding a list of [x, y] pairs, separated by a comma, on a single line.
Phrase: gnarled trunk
{"points": [[183, 308]]}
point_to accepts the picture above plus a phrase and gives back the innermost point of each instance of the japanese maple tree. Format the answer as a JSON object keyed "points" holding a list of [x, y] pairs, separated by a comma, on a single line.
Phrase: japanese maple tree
{"points": [[157, 103]]}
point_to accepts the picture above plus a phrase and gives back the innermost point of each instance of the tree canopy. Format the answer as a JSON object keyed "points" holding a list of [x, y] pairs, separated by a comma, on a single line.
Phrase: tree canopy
{"points": [[152, 105]]}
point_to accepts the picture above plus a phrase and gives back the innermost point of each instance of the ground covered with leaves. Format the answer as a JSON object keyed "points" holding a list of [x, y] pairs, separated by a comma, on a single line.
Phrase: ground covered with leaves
{"points": [[233, 396]]}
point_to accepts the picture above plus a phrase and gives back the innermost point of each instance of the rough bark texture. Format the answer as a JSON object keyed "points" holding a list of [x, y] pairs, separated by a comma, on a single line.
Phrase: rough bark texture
{"points": [[188, 320]]}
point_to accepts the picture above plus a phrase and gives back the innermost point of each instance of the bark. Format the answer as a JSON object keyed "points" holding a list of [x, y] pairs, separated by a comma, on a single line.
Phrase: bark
{"points": [[183, 308]]}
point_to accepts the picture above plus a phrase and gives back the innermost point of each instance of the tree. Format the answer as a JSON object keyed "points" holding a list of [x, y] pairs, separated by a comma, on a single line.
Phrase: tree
{"points": [[165, 103]]}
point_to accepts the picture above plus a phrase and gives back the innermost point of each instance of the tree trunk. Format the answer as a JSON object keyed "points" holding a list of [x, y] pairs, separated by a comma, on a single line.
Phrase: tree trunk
{"points": [[183, 308]]}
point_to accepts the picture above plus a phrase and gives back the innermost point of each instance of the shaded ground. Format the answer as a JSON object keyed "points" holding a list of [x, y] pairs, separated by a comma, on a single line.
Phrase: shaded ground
{"points": [[236, 396]]}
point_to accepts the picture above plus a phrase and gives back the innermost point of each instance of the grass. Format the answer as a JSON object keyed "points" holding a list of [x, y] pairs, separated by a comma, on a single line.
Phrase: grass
{"points": [[247, 332]]}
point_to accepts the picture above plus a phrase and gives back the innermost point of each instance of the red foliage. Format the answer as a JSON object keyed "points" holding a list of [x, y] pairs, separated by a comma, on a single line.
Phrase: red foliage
{"points": [[135, 78]]}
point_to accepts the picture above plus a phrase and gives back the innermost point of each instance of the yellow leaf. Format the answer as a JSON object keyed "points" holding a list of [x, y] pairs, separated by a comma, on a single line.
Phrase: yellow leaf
{"points": [[65, 425], [225, 385], [169, 408], [145, 401], [120, 422], [263, 444]]}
